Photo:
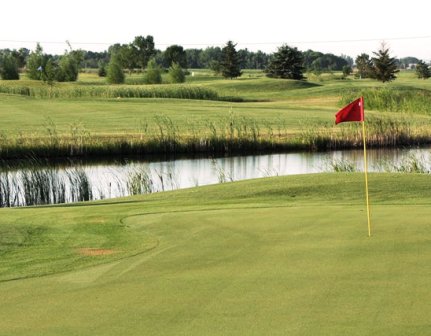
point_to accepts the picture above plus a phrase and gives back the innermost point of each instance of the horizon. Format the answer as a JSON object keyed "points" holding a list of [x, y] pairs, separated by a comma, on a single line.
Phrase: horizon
{"points": [[333, 27]]}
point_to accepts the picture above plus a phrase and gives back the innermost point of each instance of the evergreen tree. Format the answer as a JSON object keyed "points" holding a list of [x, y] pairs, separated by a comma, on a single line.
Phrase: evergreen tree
{"points": [[115, 71], [286, 63], [176, 73], [423, 70], [9, 67], [230, 63], [384, 66]]}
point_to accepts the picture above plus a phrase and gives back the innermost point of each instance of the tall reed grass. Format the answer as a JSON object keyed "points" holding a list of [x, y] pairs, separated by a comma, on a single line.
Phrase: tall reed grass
{"points": [[112, 91], [391, 99], [380, 132], [230, 135], [36, 182]]}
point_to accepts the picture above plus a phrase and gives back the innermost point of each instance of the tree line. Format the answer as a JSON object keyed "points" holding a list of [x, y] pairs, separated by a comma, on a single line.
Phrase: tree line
{"points": [[141, 55]]}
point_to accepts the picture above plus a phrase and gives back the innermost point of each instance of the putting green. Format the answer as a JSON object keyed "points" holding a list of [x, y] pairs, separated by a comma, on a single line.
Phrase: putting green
{"points": [[296, 264]]}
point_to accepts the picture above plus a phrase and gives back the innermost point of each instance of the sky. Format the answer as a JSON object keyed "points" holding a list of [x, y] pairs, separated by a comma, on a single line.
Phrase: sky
{"points": [[337, 26]]}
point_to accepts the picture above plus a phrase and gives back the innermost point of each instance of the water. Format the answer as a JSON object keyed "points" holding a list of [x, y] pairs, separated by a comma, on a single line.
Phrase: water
{"points": [[115, 179]]}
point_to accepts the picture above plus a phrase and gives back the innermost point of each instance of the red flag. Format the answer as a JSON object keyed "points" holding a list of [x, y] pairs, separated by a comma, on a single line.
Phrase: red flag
{"points": [[352, 112]]}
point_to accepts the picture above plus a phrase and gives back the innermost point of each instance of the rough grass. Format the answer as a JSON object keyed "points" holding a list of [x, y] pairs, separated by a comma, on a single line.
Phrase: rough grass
{"points": [[275, 115], [286, 255]]}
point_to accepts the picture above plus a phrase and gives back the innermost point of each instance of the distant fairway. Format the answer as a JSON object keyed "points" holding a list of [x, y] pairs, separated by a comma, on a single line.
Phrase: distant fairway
{"points": [[279, 256]]}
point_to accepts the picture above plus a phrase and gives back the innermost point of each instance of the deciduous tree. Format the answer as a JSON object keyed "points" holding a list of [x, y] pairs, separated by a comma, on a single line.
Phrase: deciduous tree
{"points": [[175, 54], [144, 49], [364, 66], [115, 70], [176, 73], [8, 67]]}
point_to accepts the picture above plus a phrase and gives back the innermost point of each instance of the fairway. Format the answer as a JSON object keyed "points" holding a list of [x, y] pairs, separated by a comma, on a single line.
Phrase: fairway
{"points": [[278, 256]]}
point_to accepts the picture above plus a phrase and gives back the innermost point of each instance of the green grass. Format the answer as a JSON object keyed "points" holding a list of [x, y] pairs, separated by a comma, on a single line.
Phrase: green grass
{"points": [[286, 255], [281, 110]]}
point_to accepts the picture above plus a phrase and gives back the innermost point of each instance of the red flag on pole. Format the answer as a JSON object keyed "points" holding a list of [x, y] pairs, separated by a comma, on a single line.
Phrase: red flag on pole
{"points": [[352, 112]]}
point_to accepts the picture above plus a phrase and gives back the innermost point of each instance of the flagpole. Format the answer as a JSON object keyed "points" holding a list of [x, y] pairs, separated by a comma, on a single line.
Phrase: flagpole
{"points": [[366, 177]]}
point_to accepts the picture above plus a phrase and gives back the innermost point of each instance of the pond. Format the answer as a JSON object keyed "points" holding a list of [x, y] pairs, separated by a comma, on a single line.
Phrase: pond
{"points": [[35, 183]]}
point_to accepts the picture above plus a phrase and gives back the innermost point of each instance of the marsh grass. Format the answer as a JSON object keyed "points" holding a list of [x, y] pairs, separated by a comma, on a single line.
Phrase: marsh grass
{"points": [[111, 91], [391, 99], [380, 132], [340, 165], [410, 164], [140, 182], [229, 135]]}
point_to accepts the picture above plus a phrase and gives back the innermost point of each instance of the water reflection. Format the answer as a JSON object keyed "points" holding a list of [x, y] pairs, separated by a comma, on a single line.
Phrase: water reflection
{"points": [[115, 179]]}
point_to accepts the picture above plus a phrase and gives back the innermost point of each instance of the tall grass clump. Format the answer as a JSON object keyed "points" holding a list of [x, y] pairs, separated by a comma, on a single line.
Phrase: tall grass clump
{"points": [[174, 91], [80, 187], [410, 164], [381, 132], [42, 186], [391, 99], [341, 166], [139, 182]]}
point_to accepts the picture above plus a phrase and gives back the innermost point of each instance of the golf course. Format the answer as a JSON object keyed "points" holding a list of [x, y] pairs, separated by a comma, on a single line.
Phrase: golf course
{"points": [[287, 255]]}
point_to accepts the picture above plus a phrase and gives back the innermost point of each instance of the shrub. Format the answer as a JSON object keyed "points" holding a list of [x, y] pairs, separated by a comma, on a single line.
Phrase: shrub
{"points": [[9, 68], [153, 74], [176, 74], [115, 71]]}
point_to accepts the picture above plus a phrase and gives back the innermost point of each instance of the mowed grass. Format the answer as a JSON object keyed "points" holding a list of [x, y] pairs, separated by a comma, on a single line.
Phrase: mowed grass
{"points": [[279, 256], [284, 105]]}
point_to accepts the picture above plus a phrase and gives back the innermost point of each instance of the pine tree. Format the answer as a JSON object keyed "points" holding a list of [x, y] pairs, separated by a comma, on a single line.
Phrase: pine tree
{"points": [[384, 66], [423, 70], [286, 63], [230, 65]]}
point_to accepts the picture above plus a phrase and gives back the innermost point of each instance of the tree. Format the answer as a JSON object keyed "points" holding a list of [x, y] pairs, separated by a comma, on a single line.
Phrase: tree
{"points": [[101, 71], [49, 72], [423, 70], [175, 54], [193, 58], [9, 67], [286, 63], [154, 73], [68, 68], [144, 47], [384, 66], [209, 55], [115, 71], [408, 62], [364, 66], [230, 62], [36, 62], [176, 73], [347, 70]]}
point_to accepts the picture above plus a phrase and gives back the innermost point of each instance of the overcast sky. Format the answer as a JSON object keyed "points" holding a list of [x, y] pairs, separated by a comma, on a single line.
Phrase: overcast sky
{"points": [[337, 26]]}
